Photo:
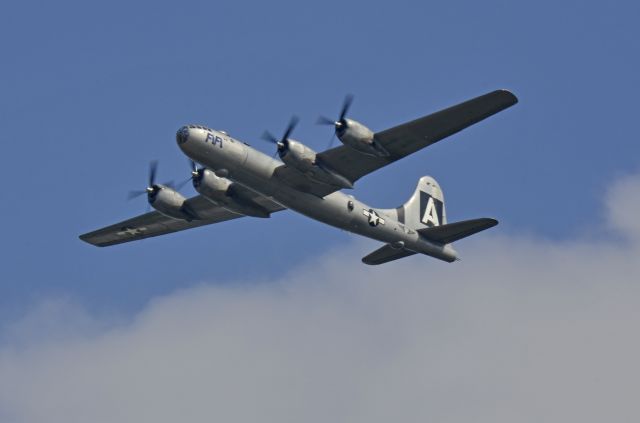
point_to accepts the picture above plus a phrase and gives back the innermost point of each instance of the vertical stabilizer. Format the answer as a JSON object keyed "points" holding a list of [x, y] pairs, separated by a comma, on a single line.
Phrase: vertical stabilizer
{"points": [[425, 208]]}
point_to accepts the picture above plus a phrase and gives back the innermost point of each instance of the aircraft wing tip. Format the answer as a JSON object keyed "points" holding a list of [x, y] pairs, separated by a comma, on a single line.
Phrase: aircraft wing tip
{"points": [[511, 97]]}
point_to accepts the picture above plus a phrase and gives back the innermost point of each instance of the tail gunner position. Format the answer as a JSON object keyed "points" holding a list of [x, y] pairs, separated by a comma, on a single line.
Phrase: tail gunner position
{"points": [[236, 180]]}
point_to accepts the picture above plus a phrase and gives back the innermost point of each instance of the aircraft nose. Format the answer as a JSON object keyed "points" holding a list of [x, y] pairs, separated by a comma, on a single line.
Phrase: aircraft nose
{"points": [[182, 135]]}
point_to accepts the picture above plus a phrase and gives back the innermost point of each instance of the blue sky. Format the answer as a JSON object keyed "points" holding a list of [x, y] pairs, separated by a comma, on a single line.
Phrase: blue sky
{"points": [[90, 93]]}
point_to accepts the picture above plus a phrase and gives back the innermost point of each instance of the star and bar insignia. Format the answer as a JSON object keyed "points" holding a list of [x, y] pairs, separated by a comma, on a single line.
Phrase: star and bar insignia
{"points": [[374, 218]]}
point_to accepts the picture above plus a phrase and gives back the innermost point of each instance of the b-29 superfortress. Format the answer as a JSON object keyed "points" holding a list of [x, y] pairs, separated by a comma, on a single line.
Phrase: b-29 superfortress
{"points": [[235, 180]]}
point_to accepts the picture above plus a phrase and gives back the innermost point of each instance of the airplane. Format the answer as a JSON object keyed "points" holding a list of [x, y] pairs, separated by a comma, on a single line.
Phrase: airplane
{"points": [[235, 180]]}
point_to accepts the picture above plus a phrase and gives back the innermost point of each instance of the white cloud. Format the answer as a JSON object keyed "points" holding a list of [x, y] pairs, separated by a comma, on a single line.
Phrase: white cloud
{"points": [[623, 204], [520, 330]]}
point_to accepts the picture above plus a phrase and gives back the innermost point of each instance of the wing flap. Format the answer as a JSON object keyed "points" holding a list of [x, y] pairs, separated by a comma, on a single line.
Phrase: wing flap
{"points": [[446, 234]]}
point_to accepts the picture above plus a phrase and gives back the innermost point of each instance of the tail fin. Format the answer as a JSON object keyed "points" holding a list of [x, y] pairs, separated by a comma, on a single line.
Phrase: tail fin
{"points": [[425, 208]]}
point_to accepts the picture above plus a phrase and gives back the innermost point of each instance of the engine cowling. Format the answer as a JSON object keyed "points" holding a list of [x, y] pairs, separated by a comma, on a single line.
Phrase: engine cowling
{"points": [[211, 186], [224, 193], [168, 202], [357, 136], [299, 156], [304, 159]]}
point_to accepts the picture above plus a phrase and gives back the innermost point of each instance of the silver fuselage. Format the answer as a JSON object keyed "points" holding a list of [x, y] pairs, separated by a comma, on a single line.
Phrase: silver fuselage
{"points": [[256, 171]]}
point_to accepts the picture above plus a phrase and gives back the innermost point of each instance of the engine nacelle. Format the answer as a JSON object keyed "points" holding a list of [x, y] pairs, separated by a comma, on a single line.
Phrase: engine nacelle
{"points": [[298, 156], [223, 192], [304, 159], [357, 136], [168, 202], [211, 186]]}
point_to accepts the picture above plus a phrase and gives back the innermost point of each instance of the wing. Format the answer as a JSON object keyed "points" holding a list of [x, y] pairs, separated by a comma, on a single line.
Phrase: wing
{"points": [[405, 139], [154, 223]]}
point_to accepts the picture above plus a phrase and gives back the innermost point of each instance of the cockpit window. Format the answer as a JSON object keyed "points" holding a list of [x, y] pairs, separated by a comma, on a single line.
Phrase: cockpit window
{"points": [[199, 127]]}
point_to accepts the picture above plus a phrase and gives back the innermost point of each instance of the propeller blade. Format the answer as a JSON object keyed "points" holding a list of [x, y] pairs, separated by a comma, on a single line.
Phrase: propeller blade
{"points": [[345, 106], [268, 136], [183, 183], [153, 168], [134, 194], [292, 124], [323, 120], [194, 167]]}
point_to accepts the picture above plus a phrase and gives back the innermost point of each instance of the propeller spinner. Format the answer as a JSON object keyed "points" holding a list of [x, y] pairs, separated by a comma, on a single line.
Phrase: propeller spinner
{"points": [[196, 174]]}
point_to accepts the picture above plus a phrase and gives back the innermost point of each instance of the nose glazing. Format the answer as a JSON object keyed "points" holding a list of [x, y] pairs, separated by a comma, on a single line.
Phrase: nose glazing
{"points": [[182, 135]]}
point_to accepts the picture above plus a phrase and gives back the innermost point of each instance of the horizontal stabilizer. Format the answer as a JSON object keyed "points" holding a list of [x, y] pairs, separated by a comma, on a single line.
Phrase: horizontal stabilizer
{"points": [[451, 232], [386, 254]]}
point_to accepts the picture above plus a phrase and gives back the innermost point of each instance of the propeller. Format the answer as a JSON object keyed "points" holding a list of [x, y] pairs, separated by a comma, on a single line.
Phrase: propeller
{"points": [[196, 175], [341, 123], [152, 188], [282, 143]]}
